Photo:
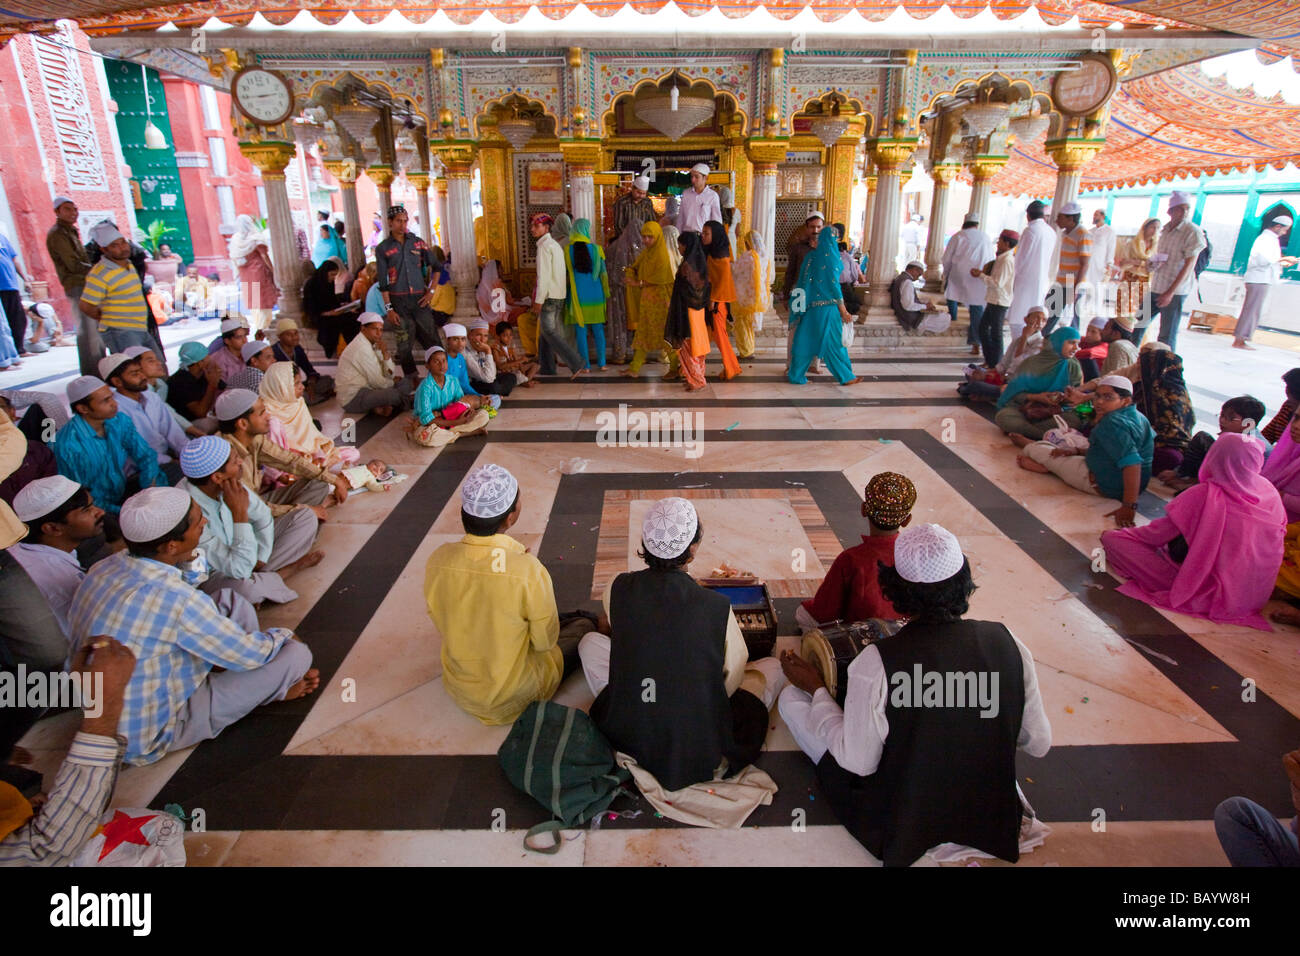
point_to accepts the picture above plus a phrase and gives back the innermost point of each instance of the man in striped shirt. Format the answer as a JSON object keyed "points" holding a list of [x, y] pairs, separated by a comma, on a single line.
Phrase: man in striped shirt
{"points": [[113, 294], [1072, 272], [140, 597]]}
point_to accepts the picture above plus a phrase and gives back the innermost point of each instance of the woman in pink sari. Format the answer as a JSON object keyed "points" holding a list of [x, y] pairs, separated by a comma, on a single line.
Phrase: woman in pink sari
{"points": [[1283, 469], [1232, 524]]}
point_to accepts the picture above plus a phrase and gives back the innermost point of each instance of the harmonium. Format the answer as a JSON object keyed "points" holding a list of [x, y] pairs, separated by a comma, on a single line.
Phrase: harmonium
{"points": [[753, 607]]}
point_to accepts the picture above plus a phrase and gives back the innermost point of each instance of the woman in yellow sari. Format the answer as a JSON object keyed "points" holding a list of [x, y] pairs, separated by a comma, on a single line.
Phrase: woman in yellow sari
{"points": [[649, 286], [1135, 261], [753, 273]]}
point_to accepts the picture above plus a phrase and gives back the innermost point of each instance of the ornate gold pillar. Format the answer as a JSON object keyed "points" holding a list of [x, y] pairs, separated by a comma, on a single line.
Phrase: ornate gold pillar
{"points": [[841, 166], [381, 174], [440, 211], [271, 158], [458, 159], [983, 170], [345, 171], [420, 180], [494, 161], [943, 174], [582, 158], [889, 154]]}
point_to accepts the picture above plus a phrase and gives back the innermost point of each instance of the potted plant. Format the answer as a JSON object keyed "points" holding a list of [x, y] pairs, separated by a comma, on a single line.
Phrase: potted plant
{"points": [[162, 270]]}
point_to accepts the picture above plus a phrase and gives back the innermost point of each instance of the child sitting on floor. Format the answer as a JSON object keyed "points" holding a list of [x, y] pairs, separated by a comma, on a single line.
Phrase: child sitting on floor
{"points": [[1238, 416]]}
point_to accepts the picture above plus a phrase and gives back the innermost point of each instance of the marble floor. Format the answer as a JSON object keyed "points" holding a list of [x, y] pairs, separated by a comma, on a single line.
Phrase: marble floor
{"points": [[1150, 730]]}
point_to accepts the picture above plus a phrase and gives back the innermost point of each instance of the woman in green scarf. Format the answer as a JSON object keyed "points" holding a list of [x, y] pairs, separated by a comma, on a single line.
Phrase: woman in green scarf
{"points": [[588, 290], [1039, 386]]}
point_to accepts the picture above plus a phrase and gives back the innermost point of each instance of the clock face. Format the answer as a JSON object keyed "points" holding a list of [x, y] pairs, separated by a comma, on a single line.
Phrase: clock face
{"points": [[264, 97], [1085, 89]]}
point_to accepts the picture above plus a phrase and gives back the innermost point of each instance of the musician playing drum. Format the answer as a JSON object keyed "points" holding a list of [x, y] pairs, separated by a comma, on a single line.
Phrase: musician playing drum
{"points": [[923, 752], [851, 588]]}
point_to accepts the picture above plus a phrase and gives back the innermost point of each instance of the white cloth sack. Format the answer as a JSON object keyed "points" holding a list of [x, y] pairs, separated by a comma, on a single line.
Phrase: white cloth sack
{"points": [[721, 804], [1063, 436]]}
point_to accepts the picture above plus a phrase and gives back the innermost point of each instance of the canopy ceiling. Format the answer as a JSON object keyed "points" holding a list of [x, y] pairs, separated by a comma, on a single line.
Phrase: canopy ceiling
{"points": [[1169, 124]]}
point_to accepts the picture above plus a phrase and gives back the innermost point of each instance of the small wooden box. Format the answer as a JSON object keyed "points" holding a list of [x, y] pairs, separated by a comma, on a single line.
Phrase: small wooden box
{"points": [[1216, 322], [755, 613]]}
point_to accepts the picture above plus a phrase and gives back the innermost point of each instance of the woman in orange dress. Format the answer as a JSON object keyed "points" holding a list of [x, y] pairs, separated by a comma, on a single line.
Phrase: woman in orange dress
{"points": [[713, 237]]}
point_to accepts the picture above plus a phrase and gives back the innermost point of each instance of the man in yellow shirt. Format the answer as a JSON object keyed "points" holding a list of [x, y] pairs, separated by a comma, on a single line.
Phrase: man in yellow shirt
{"points": [[494, 605]]}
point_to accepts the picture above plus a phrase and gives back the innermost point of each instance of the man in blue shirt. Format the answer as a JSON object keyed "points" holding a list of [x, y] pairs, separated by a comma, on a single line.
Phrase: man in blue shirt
{"points": [[148, 412], [100, 448], [11, 295]]}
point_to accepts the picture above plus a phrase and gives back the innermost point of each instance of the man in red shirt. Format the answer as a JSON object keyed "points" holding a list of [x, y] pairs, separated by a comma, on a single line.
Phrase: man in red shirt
{"points": [[851, 589]]}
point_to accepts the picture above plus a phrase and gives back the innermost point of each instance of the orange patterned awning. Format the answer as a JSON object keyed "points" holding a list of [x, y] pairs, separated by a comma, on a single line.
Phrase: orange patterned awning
{"points": [[1276, 23], [111, 16], [1179, 122]]}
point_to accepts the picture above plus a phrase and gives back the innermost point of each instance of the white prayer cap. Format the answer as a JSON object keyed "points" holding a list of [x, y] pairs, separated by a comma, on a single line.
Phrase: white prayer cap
{"points": [[230, 325], [252, 347], [104, 234], [479, 323], [1071, 209], [60, 200], [111, 363], [80, 388], [669, 527], [370, 318], [285, 325], [38, 498], [233, 403], [136, 351], [1116, 381], [453, 329], [150, 514], [428, 353], [916, 264], [701, 168], [204, 456], [642, 182], [1099, 322], [45, 310], [916, 217], [972, 217], [815, 214], [488, 492], [927, 554], [1179, 198], [1281, 221]]}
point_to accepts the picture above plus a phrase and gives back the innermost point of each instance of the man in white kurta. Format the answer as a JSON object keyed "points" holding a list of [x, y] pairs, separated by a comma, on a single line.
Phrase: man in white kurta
{"points": [[1033, 267], [969, 249], [1263, 269], [700, 204], [1100, 265]]}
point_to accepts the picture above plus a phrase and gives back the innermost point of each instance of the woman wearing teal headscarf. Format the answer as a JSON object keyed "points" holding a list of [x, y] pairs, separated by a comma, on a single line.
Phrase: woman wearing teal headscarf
{"points": [[1042, 379], [588, 290], [818, 299], [328, 244]]}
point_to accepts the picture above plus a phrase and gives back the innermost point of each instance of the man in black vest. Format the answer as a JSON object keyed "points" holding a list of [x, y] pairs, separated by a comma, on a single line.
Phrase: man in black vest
{"points": [[924, 751], [672, 686], [908, 309]]}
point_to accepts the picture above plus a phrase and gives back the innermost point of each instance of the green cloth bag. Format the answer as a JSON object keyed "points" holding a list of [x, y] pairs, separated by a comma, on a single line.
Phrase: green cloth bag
{"points": [[556, 755]]}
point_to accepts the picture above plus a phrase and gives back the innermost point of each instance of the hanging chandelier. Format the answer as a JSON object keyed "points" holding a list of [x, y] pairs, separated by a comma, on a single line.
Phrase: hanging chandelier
{"points": [[983, 117], [1029, 127], [517, 129], [829, 127], [673, 112], [358, 120], [405, 146], [153, 136]]}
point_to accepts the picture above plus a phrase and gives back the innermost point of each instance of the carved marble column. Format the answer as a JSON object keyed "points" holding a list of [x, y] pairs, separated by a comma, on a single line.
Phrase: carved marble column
{"points": [[420, 180], [889, 155], [1070, 155], [872, 181], [345, 171], [271, 158], [765, 154], [943, 174], [459, 162], [983, 169], [382, 176], [582, 159]]}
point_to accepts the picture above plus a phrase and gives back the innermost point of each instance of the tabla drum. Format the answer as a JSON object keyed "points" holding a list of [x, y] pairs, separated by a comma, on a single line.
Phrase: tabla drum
{"points": [[832, 647]]}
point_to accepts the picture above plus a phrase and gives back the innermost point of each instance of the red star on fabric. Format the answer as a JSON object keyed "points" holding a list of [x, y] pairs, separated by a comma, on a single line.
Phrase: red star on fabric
{"points": [[122, 829]]}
